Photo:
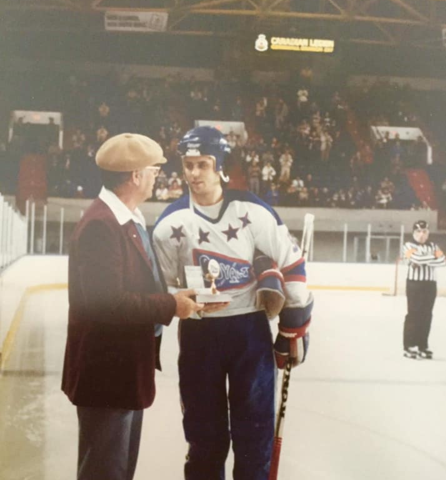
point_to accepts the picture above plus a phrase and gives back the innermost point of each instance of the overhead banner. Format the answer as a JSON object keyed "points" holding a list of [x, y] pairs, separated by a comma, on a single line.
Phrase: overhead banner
{"points": [[265, 43], [404, 133], [379, 132], [29, 118], [35, 117], [225, 127], [136, 21]]}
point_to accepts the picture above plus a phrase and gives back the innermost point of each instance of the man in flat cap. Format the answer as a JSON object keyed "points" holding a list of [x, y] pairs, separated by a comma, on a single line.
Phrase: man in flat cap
{"points": [[118, 304]]}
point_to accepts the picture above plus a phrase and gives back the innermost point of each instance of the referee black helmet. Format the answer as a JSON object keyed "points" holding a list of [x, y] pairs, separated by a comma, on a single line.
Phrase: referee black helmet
{"points": [[420, 225]]}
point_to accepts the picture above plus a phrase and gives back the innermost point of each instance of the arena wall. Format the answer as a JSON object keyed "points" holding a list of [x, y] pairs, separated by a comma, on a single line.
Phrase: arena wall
{"points": [[327, 219], [32, 274]]}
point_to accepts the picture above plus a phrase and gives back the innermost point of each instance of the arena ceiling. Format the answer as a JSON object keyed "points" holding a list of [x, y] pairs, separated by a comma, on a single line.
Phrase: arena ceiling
{"points": [[392, 23]]}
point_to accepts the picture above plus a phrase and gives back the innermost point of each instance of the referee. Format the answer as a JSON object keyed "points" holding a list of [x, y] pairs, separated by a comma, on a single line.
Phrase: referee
{"points": [[423, 258]]}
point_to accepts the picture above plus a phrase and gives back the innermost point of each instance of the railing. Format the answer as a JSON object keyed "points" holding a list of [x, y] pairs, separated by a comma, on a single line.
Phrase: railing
{"points": [[50, 227], [353, 246], [13, 234]]}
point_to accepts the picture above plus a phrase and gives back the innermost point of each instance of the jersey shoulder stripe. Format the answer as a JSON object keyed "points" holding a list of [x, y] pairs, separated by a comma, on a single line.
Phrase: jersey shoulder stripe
{"points": [[246, 196], [295, 272]]}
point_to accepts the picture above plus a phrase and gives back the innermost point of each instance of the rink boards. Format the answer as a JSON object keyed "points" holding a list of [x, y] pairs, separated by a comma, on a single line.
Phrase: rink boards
{"points": [[36, 273], [357, 409]]}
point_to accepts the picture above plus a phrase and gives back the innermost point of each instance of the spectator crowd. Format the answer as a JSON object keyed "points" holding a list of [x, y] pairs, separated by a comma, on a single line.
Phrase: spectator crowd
{"points": [[298, 150]]}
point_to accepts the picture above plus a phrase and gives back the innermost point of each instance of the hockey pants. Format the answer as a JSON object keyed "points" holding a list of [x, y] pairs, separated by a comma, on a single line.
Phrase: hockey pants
{"points": [[214, 352], [420, 303]]}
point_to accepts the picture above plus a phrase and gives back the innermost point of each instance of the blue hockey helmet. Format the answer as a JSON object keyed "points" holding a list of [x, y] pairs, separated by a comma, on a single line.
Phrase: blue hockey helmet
{"points": [[205, 141]]}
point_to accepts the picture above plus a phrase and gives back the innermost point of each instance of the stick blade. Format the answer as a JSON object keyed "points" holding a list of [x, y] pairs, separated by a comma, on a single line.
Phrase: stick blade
{"points": [[274, 470]]}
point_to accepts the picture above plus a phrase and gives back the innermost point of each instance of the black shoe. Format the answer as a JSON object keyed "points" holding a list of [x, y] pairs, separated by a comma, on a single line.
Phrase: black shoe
{"points": [[411, 352], [427, 354]]}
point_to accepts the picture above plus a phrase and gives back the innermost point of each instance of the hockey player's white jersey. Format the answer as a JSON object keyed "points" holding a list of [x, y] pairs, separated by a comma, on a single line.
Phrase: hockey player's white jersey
{"points": [[183, 236]]}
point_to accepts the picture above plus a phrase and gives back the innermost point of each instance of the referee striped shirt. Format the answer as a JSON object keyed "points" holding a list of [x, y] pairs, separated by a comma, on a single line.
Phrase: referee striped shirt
{"points": [[423, 260]]}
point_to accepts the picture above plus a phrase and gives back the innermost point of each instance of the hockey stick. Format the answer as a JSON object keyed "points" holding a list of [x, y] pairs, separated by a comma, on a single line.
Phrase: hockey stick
{"points": [[307, 236]]}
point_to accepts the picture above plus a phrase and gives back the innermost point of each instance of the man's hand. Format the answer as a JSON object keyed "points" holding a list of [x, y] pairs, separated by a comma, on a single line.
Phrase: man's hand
{"points": [[438, 253], [410, 252], [185, 305]]}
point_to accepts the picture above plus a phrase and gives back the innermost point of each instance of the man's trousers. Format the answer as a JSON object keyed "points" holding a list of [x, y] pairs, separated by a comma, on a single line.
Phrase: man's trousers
{"points": [[108, 443], [420, 303]]}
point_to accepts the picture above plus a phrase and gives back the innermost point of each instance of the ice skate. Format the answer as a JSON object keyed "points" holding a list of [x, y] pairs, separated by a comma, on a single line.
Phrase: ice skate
{"points": [[411, 352], [426, 354]]}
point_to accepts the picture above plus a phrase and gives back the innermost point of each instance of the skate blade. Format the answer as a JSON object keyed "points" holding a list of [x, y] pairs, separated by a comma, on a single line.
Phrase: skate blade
{"points": [[411, 356]]}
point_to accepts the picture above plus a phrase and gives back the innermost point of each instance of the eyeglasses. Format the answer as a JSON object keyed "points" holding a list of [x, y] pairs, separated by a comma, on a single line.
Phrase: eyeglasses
{"points": [[155, 170]]}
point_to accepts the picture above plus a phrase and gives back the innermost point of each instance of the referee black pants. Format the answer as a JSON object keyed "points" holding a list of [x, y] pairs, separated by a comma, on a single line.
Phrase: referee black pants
{"points": [[420, 303]]}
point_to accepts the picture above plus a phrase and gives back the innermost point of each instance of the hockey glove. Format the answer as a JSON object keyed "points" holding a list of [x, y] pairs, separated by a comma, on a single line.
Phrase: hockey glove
{"points": [[293, 338]]}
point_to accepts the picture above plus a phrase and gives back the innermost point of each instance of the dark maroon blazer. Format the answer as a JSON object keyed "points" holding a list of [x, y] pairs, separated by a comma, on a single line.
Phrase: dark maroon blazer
{"points": [[111, 348]]}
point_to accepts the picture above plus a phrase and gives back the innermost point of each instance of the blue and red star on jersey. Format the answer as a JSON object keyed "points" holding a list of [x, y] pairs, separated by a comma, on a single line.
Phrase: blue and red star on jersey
{"points": [[231, 232], [203, 236], [245, 220], [177, 233]]}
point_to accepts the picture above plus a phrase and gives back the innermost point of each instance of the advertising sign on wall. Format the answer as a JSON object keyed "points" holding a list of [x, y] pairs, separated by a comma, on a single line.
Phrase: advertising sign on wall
{"points": [[136, 21]]}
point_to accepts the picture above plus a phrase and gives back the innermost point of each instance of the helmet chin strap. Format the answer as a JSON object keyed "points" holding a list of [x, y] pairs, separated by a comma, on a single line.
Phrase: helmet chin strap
{"points": [[224, 177]]}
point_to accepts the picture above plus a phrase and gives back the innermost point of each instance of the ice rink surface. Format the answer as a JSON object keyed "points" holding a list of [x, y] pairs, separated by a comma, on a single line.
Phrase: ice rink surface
{"points": [[357, 409]]}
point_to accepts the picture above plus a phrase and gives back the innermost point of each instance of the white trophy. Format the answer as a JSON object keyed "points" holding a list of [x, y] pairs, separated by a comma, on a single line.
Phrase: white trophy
{"points": [[195, 279], [213, 274]]}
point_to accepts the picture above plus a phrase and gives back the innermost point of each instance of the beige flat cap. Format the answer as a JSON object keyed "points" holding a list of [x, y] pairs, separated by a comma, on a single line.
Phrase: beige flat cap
{"points": [[127, 152]]}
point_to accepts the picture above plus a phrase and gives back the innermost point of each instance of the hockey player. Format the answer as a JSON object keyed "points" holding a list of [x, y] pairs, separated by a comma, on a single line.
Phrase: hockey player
{"points": [[421, 290], [231, 345]]}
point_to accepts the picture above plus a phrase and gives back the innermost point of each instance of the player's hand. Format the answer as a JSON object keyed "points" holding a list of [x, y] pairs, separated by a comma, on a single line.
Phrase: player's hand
{"points": [[438, 254], [185, 305], [290, 348], [214, 307]]}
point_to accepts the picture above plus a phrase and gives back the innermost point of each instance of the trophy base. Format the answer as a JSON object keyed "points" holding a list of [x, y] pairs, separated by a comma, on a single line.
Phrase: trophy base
{"points": [[213, 298]]}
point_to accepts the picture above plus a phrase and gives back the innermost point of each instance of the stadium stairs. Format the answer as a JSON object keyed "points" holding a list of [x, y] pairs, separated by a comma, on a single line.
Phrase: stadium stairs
{"points": [[32, 182], [437, 175], [422, 186], [437, 171], [359, 136]]}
